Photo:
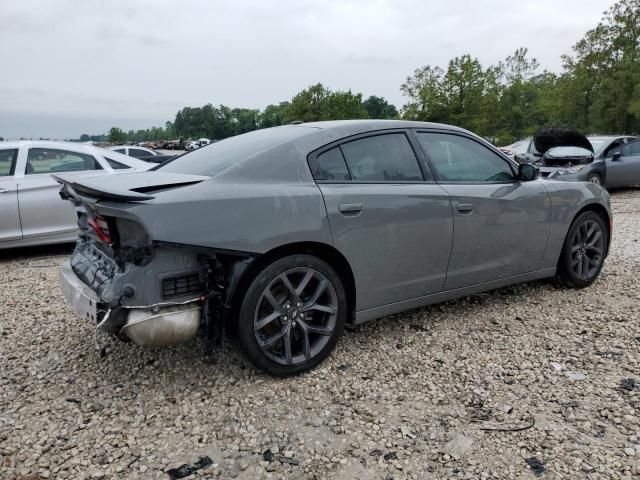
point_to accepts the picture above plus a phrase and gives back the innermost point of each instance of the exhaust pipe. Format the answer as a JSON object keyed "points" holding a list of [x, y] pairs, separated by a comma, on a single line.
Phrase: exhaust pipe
{"points": [[166, 326]]}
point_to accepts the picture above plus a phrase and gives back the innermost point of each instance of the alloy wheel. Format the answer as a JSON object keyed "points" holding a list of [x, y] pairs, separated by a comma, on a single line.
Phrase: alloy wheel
{"points": [[587, 249], [296, 316]]}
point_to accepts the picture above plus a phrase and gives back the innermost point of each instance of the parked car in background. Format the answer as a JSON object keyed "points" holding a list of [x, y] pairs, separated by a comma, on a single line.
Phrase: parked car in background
{"points": [[31, 211], [623, 165], [288, 233], [566, 154], [195, 144], [134, 151], [518, 148], [157, 158]]}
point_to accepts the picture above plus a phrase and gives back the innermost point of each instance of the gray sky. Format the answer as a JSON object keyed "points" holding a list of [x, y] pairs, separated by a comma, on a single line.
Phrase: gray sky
{"points": [[82, 66]]}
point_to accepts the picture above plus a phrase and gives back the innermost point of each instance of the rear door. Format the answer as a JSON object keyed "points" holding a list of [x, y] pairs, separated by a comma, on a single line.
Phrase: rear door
{"points": [[388, 217], [9, 215], [42, 211], [624, 170], [501, 224]]}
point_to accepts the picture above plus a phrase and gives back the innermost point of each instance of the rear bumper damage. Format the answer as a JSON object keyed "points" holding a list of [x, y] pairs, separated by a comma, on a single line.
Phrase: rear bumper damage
{"points": [[156, 303], [159, 324]]}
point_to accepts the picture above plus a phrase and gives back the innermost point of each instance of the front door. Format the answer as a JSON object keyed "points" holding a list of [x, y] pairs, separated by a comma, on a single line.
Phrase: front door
{"points": [[501, 224], [387, 217], [42, 211], [625, 169], [9, 215]]}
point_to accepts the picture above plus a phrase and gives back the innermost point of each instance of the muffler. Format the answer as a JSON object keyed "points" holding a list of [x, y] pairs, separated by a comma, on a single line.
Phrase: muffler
{"points": [[164, 326]]}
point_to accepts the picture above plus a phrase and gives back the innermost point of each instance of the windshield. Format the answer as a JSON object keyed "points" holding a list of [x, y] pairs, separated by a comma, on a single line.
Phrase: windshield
{"points": [[568, 152], [219, 156], [598, 145]]}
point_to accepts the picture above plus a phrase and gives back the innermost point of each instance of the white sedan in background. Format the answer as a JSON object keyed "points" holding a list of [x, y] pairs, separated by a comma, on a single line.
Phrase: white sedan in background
{"points": [[134, 151], [31, 210]]}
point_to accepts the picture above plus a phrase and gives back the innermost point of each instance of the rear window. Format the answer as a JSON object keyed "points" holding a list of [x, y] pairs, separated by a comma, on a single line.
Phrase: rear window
{"points": [[139, 153], [216, 157]]}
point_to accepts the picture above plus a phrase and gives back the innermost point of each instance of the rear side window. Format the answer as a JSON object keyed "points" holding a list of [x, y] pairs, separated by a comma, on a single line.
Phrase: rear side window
{"points": [[8, 162], [46, 160], [116, 165], [382, 158], [330, 166]]}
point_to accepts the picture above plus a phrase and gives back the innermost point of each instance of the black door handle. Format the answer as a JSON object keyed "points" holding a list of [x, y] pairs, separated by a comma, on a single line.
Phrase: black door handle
{"points": [[465, 207], [350, 207]]}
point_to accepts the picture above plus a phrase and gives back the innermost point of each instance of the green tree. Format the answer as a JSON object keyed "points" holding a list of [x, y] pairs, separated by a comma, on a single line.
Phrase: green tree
{"points": [[378, 107], [273, 115], [319, 103], [116, 135]]}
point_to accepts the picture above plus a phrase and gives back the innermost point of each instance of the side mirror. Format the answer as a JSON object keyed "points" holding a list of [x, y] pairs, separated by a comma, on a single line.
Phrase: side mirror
{"points": [[616, 156], [527, 172]]}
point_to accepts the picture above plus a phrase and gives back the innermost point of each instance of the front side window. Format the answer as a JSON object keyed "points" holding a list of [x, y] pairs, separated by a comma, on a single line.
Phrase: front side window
{"points": [[8, 161], [630, 149], [382, 158], [47, 160], [120, 150], [459, 159], [329, 165]]}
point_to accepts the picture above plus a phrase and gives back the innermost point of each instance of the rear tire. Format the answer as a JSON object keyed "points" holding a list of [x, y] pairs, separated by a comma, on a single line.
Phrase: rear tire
{"points": [[584, 251], [292, 315]]}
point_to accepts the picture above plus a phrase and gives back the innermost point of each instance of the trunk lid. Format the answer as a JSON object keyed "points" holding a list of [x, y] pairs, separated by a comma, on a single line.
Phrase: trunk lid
{"points": [[125, 187]]}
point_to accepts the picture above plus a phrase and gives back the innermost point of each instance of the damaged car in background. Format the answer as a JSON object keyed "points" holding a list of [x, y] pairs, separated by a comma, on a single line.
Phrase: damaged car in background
{"points": [[566, 154], [285, 235]]}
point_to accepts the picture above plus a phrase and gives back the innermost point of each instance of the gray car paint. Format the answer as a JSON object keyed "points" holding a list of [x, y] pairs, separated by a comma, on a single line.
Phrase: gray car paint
{"points": [[514, 233], [625, 169]]}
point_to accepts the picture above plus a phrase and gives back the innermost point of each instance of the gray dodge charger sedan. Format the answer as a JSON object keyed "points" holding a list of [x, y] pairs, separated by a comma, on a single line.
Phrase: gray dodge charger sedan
{"points": [[287, 234]]}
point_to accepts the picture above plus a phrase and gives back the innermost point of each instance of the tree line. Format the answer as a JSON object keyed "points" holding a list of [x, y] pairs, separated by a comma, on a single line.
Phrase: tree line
{"points": [[597, 91]]}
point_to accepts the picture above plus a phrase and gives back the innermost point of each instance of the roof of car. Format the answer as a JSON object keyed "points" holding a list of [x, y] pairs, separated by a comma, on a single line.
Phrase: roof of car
{"points": [[365, 125], [43, 144]]}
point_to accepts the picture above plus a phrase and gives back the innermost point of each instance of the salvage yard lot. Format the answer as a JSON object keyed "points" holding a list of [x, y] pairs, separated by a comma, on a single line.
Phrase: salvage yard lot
{"points": [[527, 379]]}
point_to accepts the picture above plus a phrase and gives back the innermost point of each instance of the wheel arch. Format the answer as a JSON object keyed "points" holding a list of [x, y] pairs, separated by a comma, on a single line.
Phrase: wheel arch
{"points": [[325, 252], [604, 214]]}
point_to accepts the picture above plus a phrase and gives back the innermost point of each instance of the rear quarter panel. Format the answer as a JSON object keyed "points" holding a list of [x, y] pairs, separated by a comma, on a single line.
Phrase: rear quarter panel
{"points": [[567, 199], [244, 217]]}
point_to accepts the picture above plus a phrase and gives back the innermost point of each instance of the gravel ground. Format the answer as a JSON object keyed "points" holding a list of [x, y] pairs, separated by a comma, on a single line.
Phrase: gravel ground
{"points": [[524, 381]]}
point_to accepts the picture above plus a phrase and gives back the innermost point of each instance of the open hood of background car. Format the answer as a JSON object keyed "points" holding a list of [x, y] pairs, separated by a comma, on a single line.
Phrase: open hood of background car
{"points": [[548, 138]]}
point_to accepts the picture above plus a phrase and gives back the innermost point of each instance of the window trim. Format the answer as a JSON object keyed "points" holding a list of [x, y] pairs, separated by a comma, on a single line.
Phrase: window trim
{"points": [[14, 163], [424, 169], [512, 165]]}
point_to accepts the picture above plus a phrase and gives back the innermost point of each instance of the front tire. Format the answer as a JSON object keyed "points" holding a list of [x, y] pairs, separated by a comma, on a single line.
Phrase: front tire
{"points": [[584, 251], [292, 315], [595, 179]]}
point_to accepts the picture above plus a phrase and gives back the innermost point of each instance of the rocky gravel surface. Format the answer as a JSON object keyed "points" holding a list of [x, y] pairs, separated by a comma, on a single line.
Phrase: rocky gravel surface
{"points": [[532, 381]]}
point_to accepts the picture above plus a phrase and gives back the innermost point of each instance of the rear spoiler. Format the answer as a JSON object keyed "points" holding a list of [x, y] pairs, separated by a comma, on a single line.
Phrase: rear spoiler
{"points": [[73, 190]]}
